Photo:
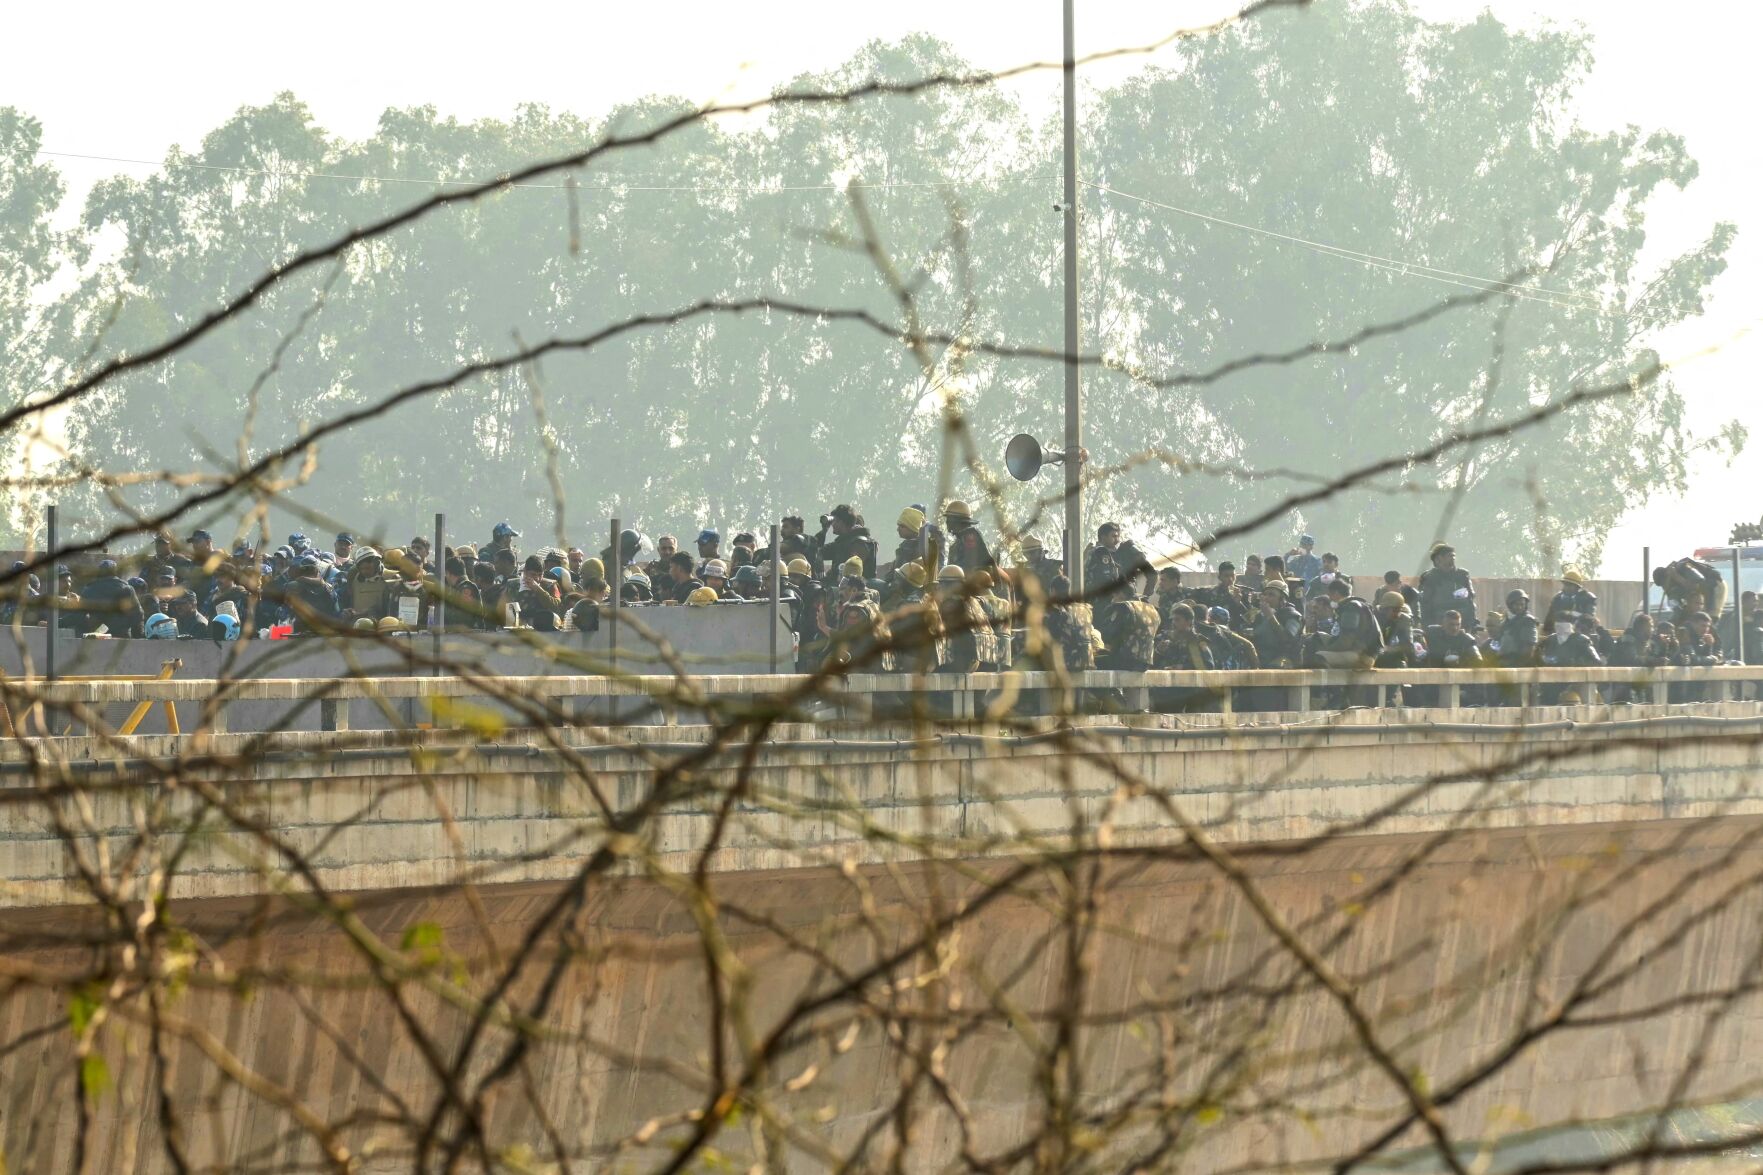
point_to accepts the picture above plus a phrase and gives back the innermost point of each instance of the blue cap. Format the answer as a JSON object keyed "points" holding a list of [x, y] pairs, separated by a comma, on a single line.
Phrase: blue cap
{"points": [[297, 540], [747, 573], [346, 537], [107, 567], [503, 531], [555, 572], [1306, 540], [198, 536], [137, 583], [282, 552], [1216, 615], [308, 561], [709, 536], [62, 569]]}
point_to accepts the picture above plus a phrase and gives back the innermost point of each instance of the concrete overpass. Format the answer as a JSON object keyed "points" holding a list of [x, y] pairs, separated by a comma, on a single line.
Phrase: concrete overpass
{"points": [[1463, 873]]}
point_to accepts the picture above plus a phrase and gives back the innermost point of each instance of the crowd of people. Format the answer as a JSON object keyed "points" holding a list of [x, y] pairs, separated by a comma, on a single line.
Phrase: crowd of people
{"points": [[943, 598]]}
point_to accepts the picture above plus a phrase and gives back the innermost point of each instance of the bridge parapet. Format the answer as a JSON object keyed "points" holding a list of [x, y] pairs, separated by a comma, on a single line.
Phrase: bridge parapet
{"points": [[378, 810]]}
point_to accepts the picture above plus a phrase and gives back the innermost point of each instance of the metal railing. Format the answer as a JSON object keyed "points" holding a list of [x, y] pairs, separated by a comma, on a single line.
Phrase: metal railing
{"points": [[958, 695]]}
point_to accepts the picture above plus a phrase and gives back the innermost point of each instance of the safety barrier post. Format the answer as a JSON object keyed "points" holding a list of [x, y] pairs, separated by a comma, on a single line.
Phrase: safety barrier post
{"points": [[1646, 580], [438, 615], [54, 600], [616, 582], [776, 589]]}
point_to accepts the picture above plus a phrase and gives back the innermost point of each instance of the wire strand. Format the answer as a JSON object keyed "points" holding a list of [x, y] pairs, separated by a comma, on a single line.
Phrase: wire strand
{"points": [[1562, 299]]}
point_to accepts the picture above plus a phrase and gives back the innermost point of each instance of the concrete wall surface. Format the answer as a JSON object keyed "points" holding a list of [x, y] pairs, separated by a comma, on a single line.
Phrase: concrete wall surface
{"points": [[1469, 951], [724, 639], [366, 806], [1464, 884]]}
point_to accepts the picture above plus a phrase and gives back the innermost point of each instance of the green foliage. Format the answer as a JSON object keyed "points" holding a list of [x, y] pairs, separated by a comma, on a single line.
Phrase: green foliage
{"points": [[1444, 145], [31, 253]]}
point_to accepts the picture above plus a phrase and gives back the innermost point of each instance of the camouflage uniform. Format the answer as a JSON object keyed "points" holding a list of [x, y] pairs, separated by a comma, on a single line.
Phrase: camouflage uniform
{"points": [[1129, 630], [1070, 631]]}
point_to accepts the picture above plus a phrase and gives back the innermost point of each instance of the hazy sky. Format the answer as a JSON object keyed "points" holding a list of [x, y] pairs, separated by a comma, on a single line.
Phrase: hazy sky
{"points": [[168, 74]]}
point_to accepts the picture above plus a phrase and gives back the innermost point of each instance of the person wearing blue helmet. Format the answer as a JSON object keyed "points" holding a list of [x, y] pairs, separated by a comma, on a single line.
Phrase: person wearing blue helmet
{"points": [[223, 628], [161, 627], [1302, 562], [502, 538]]}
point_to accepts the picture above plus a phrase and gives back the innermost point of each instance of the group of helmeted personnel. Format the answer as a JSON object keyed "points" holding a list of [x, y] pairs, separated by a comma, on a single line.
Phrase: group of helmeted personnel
{"points": [[939, 598]]}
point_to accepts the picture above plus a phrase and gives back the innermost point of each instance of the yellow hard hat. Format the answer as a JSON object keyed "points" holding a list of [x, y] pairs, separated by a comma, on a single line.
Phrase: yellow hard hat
{"points": [[593, 569], [913, 573], [852, 566], [951, 573], [1392, 600], [390, 624], [957, 509], [912, 519], [798, 566], [1573, 575], [701, 596]]}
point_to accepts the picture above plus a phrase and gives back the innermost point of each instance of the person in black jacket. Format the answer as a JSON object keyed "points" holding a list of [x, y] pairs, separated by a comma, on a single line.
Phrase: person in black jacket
{"points": [[850, 537], [1516, 642], [1446, 587], [111, 602]]}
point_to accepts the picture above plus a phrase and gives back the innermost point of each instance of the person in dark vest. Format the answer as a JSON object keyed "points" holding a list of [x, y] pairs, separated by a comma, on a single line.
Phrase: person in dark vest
{"points": [[110, 601], [1446, 587]]}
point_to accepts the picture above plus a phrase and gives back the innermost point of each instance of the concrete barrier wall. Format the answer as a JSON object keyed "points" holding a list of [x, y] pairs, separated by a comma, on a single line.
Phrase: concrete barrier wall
{"points": [[369, 808], [725, 639], [1448, 964]]}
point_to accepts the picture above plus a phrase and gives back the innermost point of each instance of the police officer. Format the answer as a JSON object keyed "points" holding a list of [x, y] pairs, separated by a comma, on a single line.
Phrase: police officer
{"points": [[1446, 587], [1101, 569], [709, 547], [849, 537], [1684, 579], [1301, 562], [1402, 645], [1454, 646], [502, 538], [1129, 632], [309, 599], [1229, 649], [1227, 595], [1392, 582], [1278, 631], [1356, 638], [1516, 642], [910, 529], [111, 602], [1571, 602]]}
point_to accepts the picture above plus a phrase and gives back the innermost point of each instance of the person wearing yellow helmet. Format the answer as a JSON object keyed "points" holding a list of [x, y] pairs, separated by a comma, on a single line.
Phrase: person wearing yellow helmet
{"points": [[700, 596], [1571, 602]]}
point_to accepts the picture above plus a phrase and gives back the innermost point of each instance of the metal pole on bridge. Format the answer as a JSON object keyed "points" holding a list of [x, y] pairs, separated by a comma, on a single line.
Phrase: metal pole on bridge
{"points": [[1073, 372], [776, 594], [1737, 652], [438, 615], [1646, 580], [615, 578], [54, 599]]}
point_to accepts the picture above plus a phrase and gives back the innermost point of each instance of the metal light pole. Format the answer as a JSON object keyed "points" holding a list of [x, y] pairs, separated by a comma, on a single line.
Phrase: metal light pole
{"points": [[1073, 385]]}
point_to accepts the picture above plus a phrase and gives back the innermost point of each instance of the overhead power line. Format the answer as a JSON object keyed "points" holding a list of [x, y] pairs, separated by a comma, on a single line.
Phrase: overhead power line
{"points": [[294, 173], [1562, 299]]}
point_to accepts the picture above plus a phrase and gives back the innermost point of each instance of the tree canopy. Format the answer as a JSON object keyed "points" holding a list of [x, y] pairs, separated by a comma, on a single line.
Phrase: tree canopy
{"points": [[1358, 163]]}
